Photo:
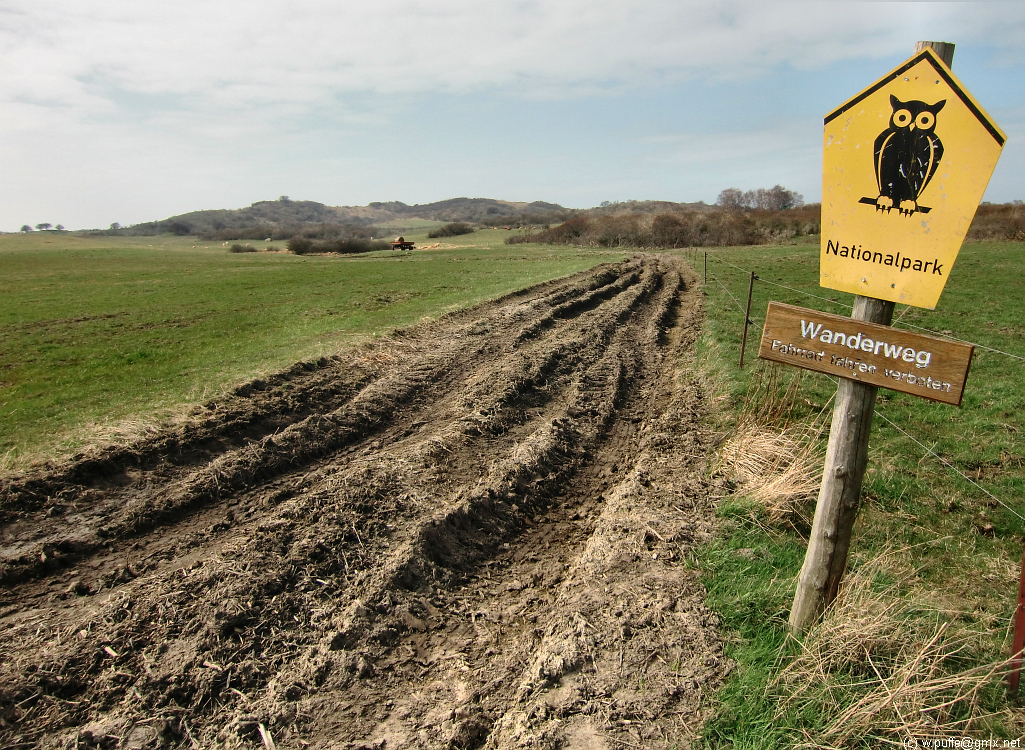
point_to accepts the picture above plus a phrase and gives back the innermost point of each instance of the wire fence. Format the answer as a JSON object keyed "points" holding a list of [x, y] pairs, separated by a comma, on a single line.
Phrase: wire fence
{"points": [[945, 462], [753, 276], [797, 290]]}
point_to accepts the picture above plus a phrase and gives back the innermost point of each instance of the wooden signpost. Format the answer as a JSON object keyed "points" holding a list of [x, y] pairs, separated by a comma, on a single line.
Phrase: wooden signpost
{"points": [[925, 366], [905, 165]]}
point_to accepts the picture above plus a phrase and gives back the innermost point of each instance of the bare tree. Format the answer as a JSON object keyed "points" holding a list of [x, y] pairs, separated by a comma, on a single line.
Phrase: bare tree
{"points": [[732, 200], [777, 198]]}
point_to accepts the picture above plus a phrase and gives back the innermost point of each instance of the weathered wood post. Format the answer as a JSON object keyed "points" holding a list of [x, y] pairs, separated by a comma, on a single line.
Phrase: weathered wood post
{"points": [[840, 494], [846, 460]]}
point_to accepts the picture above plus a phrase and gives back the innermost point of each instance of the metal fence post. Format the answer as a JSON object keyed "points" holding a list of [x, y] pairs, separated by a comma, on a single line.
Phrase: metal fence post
{"points": [[747, 319]]}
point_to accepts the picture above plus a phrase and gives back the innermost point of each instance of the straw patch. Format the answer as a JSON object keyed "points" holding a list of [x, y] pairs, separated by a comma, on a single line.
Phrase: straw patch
{"points": [[772, 458], [883, 666], [781, 471]]}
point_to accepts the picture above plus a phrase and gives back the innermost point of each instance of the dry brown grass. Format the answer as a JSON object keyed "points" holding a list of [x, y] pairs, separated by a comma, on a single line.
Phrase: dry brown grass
{"points": [[781, 471], [772, 396], [886, 665], [775, 460]]}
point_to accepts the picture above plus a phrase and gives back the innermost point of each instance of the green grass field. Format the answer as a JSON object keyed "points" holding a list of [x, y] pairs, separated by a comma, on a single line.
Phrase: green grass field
{"points": [[100, 330], [954, 552]]}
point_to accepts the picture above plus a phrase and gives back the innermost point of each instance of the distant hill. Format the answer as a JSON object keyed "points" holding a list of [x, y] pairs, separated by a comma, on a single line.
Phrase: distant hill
{"points": [[286, 212], [473, 209]]}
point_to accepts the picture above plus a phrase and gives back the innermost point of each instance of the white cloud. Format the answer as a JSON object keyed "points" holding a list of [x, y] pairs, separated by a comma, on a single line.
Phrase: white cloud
{"points": [[200, 86], [233, 55]]}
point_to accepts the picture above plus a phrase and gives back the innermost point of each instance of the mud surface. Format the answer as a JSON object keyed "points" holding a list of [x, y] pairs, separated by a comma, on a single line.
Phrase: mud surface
{"points": [[475, 534]]}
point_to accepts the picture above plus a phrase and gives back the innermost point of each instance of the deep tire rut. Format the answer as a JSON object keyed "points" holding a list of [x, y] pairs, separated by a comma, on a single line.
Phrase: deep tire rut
{"points": [[474, 534]]}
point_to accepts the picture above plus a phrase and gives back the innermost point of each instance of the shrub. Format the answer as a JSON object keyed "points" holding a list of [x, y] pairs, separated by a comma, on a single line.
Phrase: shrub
{"points": [[237, 248], [300, 245], [685, 228], [180, 228], [451, 230], [345, 245], [1001, 221], [568, 233], [673, 230], [348, 245]]}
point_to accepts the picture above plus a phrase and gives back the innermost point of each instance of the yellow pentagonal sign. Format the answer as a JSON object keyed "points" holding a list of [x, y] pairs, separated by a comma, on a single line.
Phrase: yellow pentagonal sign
{"points": [[905, 164]]}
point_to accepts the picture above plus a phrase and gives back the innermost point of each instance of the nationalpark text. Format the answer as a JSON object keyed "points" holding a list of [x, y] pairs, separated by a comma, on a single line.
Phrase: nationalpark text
{"points": [[896, 260]]}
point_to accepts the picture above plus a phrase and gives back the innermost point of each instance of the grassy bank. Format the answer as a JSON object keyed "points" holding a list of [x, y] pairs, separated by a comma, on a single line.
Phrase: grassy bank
{"points": [[94, 331], [934, 559]]}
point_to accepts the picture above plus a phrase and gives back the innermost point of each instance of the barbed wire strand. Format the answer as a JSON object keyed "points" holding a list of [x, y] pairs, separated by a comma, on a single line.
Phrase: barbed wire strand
{"points": [[849, 307], [901, 316], [784, 286], [807, 294], [726, 270], [726, 289], [944, 461], [796, 255], [715, 257], [972, 343], [949, 465]]}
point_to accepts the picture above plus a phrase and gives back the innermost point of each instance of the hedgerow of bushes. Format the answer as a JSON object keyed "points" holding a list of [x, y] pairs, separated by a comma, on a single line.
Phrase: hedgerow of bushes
{"points": [[345, 245], [323, 231], [999, 221], [310, 238], [724, 227], [714, 227], [451, 230]]}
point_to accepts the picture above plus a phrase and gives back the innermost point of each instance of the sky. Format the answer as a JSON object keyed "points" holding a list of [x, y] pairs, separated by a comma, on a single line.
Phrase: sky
{"points": [[126, 111]]}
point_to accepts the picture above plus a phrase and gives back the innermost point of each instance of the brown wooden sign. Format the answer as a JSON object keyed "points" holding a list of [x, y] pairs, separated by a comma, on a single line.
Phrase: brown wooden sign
{"points": [[925, 366]]}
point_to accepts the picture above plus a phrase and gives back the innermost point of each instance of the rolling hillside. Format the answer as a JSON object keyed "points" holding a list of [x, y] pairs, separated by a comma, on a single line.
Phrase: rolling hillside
{"points": [[287, 212]]}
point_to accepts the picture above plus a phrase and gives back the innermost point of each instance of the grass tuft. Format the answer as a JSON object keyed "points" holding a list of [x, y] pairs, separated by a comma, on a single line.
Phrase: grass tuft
{"points": [[774, 458], [779, 470], [886, 664]]}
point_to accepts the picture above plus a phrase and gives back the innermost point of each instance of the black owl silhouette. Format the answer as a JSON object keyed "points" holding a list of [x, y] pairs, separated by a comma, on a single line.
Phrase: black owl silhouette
{"points": [[906, 156]]}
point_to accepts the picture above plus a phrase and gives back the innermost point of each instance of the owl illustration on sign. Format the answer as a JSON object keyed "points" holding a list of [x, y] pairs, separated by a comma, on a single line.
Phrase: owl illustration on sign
{"points": [[906, 156]]}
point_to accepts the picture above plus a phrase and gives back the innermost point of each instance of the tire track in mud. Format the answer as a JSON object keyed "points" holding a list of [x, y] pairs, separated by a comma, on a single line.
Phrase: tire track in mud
{"points": [[225, 468], [478, 540]]}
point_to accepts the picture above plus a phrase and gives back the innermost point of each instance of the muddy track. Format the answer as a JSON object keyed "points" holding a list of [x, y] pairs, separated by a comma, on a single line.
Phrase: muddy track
{"points": [[474, 534]]}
